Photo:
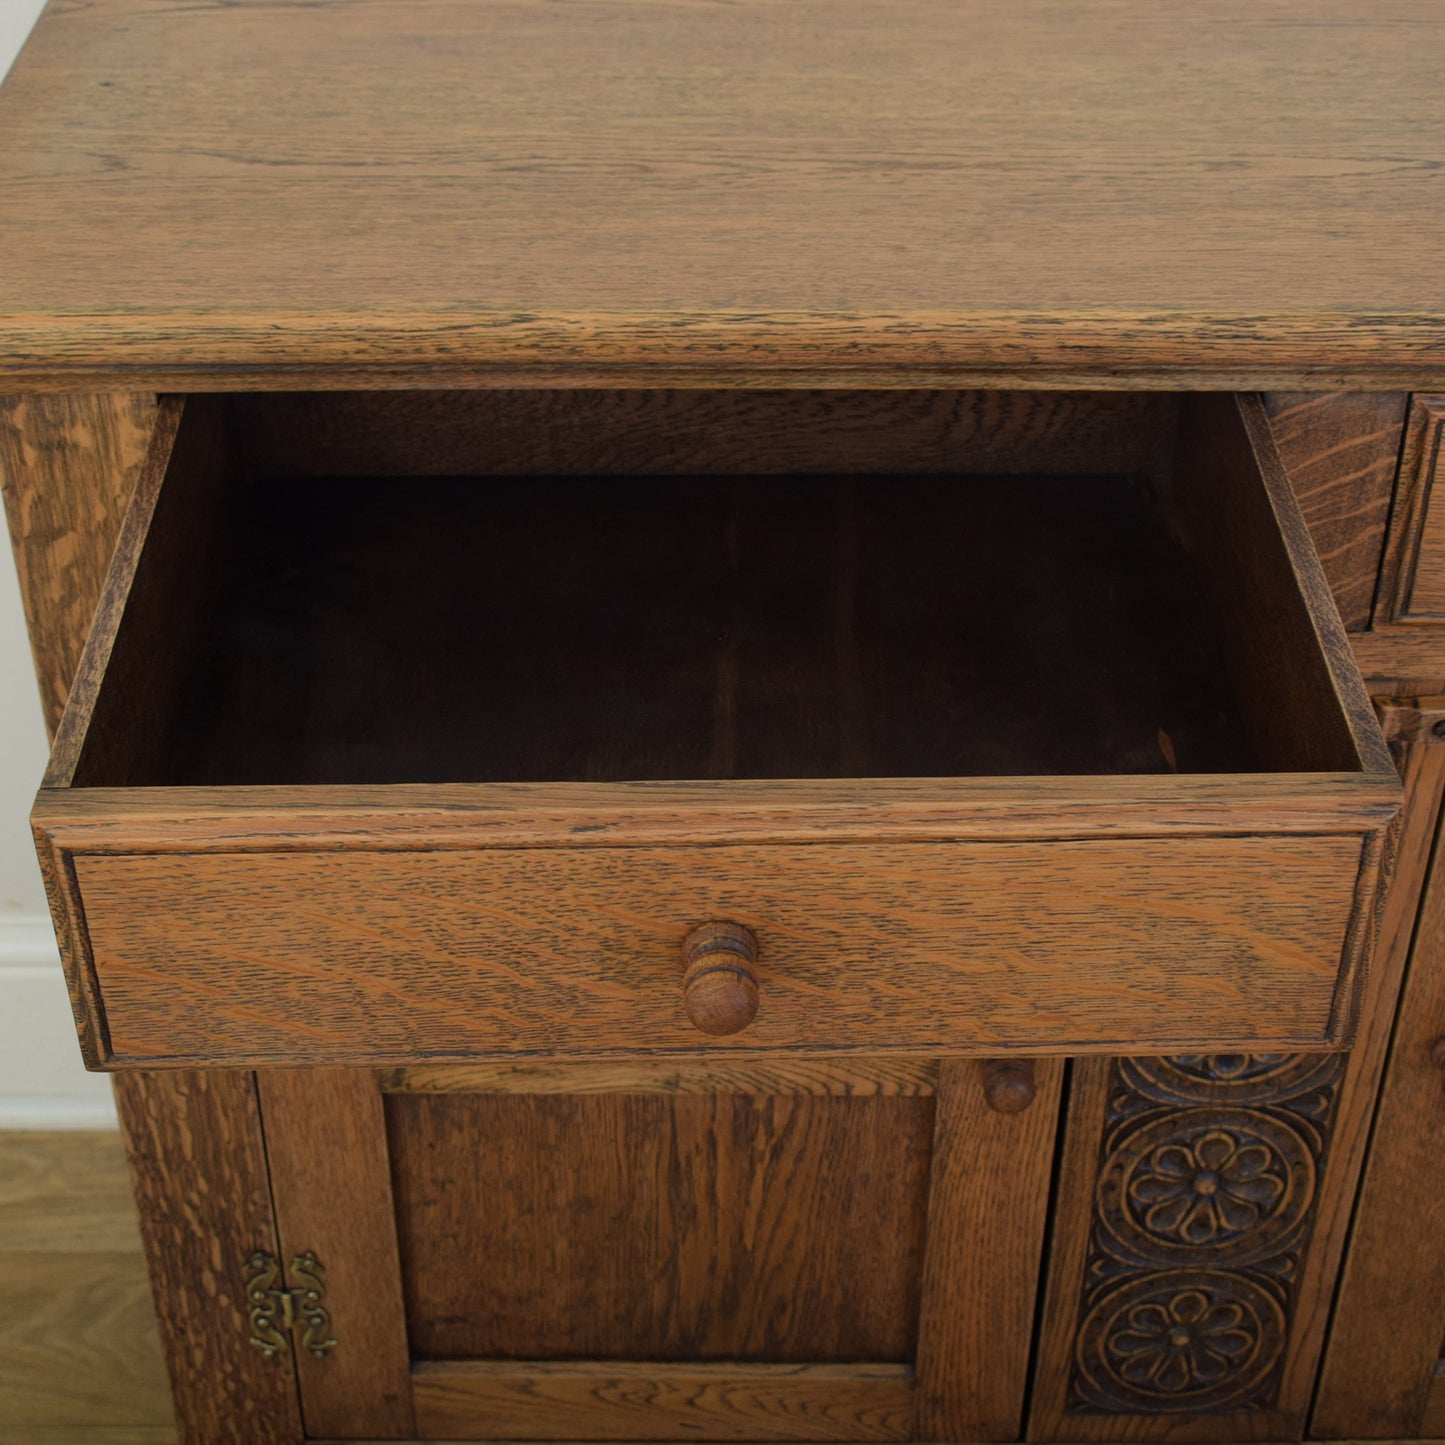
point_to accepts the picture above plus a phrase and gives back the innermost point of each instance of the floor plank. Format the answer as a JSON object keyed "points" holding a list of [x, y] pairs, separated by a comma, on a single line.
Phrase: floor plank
{"points": [[79, 1356], [101, 1435], [66, 1191]]}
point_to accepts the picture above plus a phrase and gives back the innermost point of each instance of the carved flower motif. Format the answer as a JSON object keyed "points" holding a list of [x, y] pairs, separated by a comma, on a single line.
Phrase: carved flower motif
{"points": [[1229, 1068], [1187, 1343], [1204, 1190]]}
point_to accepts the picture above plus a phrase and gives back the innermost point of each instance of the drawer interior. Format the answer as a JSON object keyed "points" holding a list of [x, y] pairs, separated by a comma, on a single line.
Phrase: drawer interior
{"points": [[1001, 721], [602, 587]]}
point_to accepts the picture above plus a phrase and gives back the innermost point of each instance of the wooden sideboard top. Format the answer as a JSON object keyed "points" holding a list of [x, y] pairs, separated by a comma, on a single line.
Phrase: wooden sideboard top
{"points": [[1230, 193]]}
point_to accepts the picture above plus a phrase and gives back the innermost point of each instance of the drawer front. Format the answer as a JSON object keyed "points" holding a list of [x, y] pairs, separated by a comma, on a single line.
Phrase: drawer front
{"points": [[1161, 943]]}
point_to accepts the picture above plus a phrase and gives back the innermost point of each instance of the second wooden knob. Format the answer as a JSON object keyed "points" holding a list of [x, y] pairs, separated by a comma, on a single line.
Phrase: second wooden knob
{"points": [[1009, 1085], [719, 982]]}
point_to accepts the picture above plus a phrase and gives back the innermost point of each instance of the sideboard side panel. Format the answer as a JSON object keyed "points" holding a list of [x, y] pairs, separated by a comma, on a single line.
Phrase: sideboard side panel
{"points": [[198, 1168], [68, 465]]}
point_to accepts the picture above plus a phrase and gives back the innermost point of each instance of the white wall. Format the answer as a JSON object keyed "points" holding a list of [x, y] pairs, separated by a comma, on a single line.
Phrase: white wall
{"points": [[42, 1082]]}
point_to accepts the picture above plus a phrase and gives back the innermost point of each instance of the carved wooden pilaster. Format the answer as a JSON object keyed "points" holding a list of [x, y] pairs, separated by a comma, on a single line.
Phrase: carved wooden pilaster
{"points": [[1207, 1180], [1188, 1206]]}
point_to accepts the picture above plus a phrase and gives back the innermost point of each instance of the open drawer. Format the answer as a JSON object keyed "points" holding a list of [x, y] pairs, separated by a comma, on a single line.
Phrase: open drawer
{"points": [[442, 725]]}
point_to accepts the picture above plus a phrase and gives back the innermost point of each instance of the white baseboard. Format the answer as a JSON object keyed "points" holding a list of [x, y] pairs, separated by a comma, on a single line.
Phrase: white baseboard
{"points": [[43, 1084], [26, 940], [60, 1111]]}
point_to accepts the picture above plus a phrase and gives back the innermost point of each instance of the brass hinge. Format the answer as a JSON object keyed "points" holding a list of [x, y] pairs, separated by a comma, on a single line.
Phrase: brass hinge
{"points": [[274, 1308]]}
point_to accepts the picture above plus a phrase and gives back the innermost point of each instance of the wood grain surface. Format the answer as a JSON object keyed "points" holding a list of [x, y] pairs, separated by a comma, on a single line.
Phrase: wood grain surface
{"points": [[637, 188], [597, 432], [1432, 1422], [1421, 761], [610, 1401], [168, 527], [1269, 599], [375, 957], [1389, 1319], [79, 1358], [667, 628], [94, 1310], [1077, 1265], [1285, 647], [793, 628], [331, 1186], [198, 1167], [1341, 451], [450, 817], [988, 1204], [763, 1077], [1283, 1415], [1412, 573], [59, 1189], [791, 1228], [1401, 661], [101, 1435], [68, 465]]}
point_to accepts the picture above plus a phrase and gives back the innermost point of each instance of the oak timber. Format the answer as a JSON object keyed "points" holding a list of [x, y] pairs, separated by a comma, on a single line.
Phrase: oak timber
{"points": [[987, 1210], [1412, 574], [1401, 661], [373, 957], [199, 1172], [651, 188], [330, 1184], [571, 432], [860, 1077], [1341, 451], [80, 1363], [1385, 1340], [1321, 1228], [752, 1202], [68, 465], [624, 1401], [1263, 591]]}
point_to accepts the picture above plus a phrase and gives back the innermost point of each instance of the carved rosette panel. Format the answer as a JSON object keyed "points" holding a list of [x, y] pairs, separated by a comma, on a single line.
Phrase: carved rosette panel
{"points": [[1204, 1204]]}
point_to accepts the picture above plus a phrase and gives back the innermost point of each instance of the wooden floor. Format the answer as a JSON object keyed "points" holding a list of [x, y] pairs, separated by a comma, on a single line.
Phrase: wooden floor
{"points": [[80, 1363]]}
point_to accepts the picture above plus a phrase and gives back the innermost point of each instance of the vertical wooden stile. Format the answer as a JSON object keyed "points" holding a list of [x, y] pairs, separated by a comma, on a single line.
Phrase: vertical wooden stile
{"points": [[198, 1169], [987, 1204], [326, 1142]]}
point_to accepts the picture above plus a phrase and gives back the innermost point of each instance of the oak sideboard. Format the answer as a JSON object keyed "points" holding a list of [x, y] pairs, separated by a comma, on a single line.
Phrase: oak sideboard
{"points": [[748, 705]]}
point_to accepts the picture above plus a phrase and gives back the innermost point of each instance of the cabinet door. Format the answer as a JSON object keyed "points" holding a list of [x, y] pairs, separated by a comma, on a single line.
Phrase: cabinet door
{"points": [[747, 1251]]}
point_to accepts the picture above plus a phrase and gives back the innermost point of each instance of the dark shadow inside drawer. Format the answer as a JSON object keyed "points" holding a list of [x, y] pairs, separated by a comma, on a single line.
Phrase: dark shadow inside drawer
{"points": [[479, 629], [1055, 614]]}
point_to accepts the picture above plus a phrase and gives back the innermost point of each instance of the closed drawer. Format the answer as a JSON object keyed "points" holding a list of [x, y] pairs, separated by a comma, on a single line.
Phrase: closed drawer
{"points": [[1412, 577], [1048, 748]]}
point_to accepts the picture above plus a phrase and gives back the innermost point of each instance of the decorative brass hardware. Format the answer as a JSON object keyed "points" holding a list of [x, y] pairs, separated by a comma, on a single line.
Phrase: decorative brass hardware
{"points": [[273, 1310]]}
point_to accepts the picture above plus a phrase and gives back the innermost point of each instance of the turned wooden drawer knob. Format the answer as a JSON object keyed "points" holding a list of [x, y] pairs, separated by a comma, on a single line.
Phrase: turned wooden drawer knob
{"points": [[720, 984], [1009, 1087]]}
